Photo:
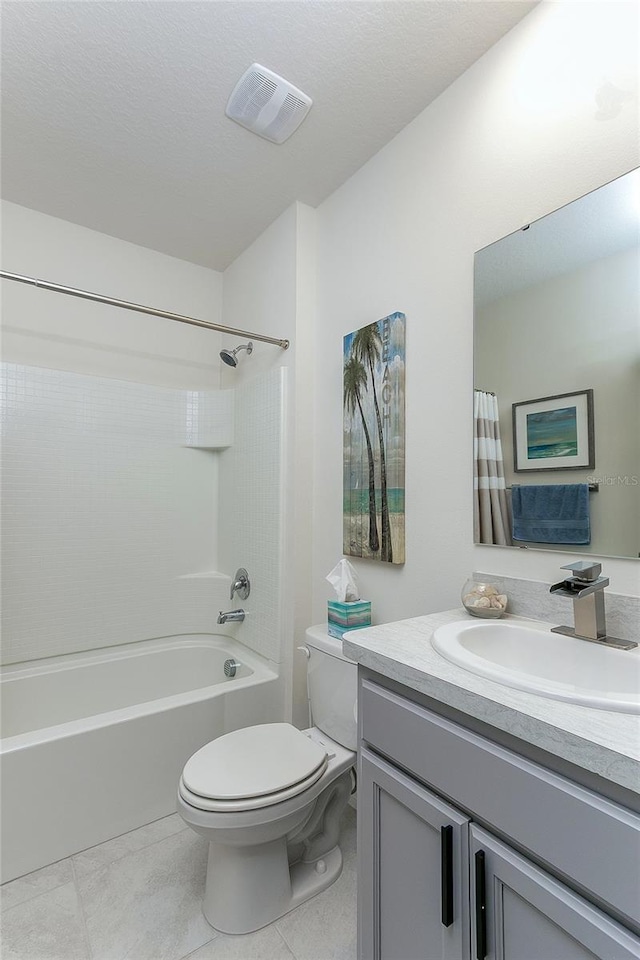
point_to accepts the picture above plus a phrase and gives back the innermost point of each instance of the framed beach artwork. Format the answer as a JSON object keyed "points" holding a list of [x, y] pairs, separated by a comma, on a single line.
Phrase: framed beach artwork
{"points": [[554, 433], [374, 440]]}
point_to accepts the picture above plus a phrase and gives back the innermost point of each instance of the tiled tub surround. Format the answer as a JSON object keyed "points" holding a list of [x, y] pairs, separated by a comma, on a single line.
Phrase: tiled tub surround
{"points": [[94, 743], [111, 509], [139, 897], [599, 742], [252, 508], [104, 509]]}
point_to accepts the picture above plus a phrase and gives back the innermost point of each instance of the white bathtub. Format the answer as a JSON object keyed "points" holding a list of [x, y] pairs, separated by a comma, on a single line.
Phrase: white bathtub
{"points": [[93, 743]]}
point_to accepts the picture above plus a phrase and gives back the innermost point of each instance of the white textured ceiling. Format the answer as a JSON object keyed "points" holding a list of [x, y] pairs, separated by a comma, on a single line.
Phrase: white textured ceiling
{"points": [[113, 112]]}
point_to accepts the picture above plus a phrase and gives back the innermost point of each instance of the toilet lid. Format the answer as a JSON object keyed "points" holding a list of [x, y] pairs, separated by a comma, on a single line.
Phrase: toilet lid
{"points": [[248, 803], [253, 762]]}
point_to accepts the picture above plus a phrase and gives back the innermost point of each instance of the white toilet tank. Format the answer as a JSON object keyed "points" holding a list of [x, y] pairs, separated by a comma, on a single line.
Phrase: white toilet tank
{"points": [[332, 683]]}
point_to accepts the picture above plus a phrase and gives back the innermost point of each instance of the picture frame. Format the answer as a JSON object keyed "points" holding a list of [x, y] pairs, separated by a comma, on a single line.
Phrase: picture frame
{"points": [[554, 433], [373, 462]]}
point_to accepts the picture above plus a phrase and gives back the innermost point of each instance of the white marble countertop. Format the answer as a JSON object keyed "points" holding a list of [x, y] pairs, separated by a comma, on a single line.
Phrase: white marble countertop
{"points": [[601, 741]]}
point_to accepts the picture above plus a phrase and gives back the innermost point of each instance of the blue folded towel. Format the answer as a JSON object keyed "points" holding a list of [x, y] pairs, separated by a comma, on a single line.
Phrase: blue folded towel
{"points": [[551, 513]]}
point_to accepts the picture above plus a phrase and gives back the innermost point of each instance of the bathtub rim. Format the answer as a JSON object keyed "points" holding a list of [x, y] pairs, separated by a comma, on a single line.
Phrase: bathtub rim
{"points": [[263, 671]]}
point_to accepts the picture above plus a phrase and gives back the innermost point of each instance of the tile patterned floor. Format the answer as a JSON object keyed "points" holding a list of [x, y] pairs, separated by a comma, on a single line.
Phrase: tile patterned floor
{"points": [[138, 898]]}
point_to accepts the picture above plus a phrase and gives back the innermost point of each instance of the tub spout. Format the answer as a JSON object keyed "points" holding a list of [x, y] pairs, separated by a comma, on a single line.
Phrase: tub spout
{"points": [[231, 616]]}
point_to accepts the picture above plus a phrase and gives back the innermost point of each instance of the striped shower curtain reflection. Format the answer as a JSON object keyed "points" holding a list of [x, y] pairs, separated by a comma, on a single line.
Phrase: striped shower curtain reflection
{"points": [[490, 511]]}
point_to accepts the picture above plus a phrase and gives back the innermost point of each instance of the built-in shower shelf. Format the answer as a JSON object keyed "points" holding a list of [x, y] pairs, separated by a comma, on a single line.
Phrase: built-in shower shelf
{"points": [[214, 445], [206, 575], [209, 419]]}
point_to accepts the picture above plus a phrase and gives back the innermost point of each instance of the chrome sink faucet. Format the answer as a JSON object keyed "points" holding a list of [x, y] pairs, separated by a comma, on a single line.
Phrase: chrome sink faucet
{"points": [[586, 589], [231, 616]]}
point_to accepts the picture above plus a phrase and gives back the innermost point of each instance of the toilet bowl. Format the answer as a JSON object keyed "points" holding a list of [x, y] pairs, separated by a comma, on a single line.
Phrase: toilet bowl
{"points": [[270, 851], [269, 800]]}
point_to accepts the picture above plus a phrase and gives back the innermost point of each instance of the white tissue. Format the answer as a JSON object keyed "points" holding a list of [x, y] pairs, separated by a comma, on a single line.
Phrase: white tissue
{"points": [[343, 580]]}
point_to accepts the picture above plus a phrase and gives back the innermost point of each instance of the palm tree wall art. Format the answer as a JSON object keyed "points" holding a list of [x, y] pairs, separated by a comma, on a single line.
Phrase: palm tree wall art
{"points": [[374, 441], [355, 381]]}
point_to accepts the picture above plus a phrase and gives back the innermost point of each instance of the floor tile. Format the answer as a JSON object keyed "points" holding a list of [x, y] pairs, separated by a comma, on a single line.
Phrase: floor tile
{"points": [[147, 905], [142, 895], [47, 927], [33, 884], [112, 850], [266, 944], [324, 928]]}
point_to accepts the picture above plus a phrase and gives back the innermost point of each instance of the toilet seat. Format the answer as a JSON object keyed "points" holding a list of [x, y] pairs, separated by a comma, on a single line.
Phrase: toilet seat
{"points": [[250, 803], [252, 767]]}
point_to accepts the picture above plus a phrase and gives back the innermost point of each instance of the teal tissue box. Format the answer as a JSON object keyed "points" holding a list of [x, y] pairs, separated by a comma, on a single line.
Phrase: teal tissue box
{"points": [[347, 616]]}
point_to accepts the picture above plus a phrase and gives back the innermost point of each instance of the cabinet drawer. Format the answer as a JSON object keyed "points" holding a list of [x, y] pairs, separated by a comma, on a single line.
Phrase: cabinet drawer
{"points": [[573, 830]]}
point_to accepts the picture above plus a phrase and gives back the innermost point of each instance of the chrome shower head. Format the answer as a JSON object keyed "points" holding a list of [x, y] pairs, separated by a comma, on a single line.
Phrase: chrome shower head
{"points": [[229, 356]]}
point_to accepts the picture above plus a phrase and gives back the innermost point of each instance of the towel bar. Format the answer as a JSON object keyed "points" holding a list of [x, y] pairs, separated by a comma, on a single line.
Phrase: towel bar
{"points": [[593, 487]]}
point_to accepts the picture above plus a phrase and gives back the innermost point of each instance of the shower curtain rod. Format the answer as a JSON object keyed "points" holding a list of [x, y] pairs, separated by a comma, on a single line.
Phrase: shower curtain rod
{"points": [[139, 308]]}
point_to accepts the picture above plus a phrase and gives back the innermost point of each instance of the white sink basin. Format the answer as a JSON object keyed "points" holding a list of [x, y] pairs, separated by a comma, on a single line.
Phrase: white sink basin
{"points": [[532, 658]]}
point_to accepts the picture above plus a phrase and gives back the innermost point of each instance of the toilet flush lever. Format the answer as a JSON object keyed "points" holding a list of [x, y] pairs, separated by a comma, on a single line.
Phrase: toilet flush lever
{"points": [[305, 650]]}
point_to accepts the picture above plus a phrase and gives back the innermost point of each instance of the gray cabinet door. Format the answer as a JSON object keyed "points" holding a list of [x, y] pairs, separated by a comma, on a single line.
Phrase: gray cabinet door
{"points": [[413, 875], [519, 912]]}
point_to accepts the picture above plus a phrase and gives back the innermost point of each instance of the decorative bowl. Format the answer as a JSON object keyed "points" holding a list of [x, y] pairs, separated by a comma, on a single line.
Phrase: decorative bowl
{"points": [[484, 598]]}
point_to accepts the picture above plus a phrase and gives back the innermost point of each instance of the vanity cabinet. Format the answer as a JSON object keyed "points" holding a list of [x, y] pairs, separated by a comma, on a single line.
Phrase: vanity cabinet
{"points": [[414, 853], [468, 850]]}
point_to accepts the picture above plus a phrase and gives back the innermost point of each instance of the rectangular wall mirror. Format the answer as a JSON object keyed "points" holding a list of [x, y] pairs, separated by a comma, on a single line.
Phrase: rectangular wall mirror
{"points": [[557, 379]]}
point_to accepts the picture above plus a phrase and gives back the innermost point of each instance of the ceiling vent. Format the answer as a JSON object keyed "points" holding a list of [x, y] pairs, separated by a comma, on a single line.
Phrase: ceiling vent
{"points": [[267, 104]]}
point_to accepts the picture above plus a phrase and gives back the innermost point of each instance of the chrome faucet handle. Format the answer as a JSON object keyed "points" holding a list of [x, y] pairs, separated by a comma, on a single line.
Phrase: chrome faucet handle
{"points": [[584, 569], [240, 584]]}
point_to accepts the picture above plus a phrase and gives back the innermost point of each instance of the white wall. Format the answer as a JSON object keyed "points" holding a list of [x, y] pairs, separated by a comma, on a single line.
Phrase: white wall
{"points": [[518, 135], [301, 532], [270, 289], [41, 328], [576, 331]]}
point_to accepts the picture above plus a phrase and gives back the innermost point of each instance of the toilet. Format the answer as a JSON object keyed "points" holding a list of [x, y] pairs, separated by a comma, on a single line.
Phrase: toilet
{"points": [[270, 798]]}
